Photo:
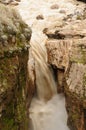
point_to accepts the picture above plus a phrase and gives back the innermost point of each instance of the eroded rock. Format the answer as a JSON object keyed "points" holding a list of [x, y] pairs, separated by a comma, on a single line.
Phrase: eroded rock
{"points": [[55, 6], [14, 43], [40, 17], [58, 52], [66, 50], [74, 29]]}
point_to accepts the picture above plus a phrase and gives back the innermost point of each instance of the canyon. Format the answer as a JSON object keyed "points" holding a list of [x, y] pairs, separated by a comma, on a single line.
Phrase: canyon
{"points": [[57, 44]]}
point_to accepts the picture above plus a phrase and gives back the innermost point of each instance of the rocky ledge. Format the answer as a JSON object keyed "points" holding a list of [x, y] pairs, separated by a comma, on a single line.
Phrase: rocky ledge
{"points": [[66, 48], [14, 43]]}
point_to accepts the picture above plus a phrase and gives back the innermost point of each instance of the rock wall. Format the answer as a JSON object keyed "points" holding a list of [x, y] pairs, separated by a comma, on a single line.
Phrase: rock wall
{"points": [[14, 43], [66, 50]]}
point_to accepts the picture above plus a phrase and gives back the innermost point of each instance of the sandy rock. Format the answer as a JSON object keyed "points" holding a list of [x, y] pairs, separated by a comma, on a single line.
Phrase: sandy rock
{"points": [[74, 29], [11, 2], [60, 80], [62, 11], [70, 55], [14, 3], [55, 6], [66, 50], [40, 17], [18, 0], [6, 1], [58, 52]]}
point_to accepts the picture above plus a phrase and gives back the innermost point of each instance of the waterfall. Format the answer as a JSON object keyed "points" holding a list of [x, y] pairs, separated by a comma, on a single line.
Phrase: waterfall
{"points": [[47, 110], [45, 84]]}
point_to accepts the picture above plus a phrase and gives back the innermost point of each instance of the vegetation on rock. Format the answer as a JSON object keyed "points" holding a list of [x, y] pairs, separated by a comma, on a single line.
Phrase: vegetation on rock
{"points": [[14, 43]]}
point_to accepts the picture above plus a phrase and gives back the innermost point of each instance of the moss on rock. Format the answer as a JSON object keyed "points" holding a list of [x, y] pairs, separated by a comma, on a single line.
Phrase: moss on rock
{"points": [[14, 43]]}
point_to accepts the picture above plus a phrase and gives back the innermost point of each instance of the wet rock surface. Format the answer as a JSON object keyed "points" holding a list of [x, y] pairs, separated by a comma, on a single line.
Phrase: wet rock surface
{"points": [[31, 86]]}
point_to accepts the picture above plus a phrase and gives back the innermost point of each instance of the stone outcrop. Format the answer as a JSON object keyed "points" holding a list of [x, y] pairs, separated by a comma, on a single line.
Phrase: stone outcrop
{"points": [[66, 50], [75, 86], [14, 43], [66, 53]]}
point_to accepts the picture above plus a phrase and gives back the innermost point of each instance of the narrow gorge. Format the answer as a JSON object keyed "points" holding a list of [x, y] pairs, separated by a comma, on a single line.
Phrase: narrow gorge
{"points": [[46, 102], [46, 56]]}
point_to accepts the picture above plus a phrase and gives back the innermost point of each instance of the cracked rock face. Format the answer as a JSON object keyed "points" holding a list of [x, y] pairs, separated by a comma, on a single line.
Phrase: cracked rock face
{"points": [[14, 43], [65, 27], [66, 50], [58, 53]]}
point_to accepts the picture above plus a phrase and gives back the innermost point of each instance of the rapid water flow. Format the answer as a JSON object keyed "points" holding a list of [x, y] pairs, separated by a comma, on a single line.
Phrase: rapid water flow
{"points": [[45, 84], [47, 110]]}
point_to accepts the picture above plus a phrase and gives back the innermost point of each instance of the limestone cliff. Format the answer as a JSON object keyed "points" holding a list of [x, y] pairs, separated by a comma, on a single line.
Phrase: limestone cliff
{"points": [[14, 43]]}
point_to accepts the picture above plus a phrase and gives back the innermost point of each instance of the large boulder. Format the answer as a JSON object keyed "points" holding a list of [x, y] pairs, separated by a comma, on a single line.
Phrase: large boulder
{"points": [[14, 43]]}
